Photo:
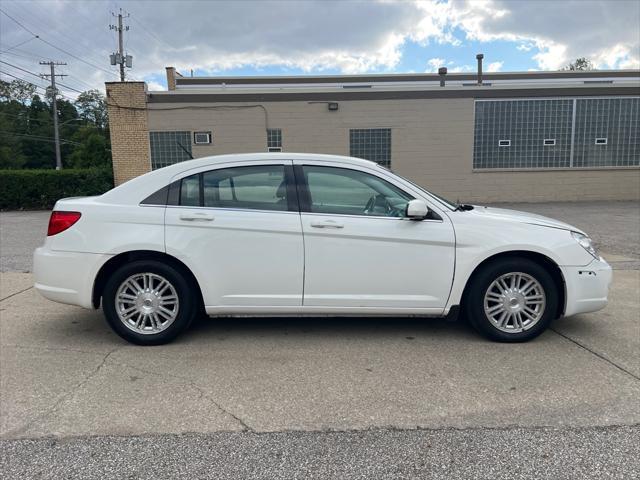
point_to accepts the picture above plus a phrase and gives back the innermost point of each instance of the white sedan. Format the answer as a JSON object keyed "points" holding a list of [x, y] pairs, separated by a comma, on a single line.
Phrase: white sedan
{"points": [[302, 234]]}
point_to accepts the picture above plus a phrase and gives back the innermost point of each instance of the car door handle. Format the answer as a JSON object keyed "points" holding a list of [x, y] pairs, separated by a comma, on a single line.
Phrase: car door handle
{"points": [[196, 217], [326, 224]]}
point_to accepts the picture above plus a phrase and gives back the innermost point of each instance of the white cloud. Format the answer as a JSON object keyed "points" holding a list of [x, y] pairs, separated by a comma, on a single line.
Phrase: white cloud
{"points": [[155, 87], [604, 31], [495, 66], [435, 63], [349, 37]]}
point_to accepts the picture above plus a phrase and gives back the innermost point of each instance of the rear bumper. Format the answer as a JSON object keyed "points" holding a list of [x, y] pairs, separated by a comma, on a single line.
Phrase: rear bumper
{"points": [[587, 287], [66, 277]]}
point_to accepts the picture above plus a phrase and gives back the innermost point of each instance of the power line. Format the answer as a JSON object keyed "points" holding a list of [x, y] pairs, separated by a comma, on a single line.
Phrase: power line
{"points": [[21, 43], [150, 32], [44, 90], [19, 23], [78, 58], [66, 124], [41, 138], [56, 47], [69, 42], [36, 75], [23, 80]]}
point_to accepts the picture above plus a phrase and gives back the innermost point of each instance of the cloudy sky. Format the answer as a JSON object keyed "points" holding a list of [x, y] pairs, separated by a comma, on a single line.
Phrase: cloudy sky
{"points": [[246, 37]]}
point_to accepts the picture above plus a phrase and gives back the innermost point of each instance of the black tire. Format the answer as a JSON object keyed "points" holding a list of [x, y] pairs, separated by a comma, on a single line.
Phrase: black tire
{"points": [[187, 298], [480, 283]]}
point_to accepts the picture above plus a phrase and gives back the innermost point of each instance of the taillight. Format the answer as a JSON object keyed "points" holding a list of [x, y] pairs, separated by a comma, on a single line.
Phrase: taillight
{"points": [[60, 221]]}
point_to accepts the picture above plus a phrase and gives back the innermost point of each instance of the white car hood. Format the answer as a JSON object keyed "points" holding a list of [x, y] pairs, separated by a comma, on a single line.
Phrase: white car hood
{"points": [[521, 217]]}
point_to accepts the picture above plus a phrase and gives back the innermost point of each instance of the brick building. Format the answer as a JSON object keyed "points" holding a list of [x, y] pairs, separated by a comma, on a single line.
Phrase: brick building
{"points": [[533, 136]]}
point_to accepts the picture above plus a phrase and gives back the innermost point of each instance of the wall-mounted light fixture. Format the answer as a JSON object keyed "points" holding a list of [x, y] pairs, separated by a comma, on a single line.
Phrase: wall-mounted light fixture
{"points": [[331, 106]]}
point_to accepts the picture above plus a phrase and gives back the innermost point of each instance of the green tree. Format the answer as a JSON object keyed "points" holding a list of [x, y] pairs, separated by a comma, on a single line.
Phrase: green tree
{"points": [[93, 150], [26, 128], [581, 63], [92, 107], [16, 90]]}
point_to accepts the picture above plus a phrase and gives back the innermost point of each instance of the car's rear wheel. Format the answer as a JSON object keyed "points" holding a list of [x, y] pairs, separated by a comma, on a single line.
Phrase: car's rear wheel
{"points": [[511, 300], [148, 302]]}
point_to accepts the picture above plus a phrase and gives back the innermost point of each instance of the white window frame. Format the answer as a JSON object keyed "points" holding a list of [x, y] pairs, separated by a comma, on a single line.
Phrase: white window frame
{"points": [[502, 144], [207, 133], [551, 144], [597, 142]]}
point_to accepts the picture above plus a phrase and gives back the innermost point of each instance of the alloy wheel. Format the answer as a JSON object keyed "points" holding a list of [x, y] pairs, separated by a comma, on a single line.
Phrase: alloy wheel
{"points": [[147, 303], [514, 302]]}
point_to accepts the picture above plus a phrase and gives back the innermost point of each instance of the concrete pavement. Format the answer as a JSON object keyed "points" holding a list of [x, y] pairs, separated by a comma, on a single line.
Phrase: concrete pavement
{"points": [[321, 398]]}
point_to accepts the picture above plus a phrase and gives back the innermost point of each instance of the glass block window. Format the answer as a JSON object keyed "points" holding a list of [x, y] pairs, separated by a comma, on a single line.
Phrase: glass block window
{"points": [[166, 148], [607, 132], [557, 133], [274, 139], [516, 134], [371, 144]]}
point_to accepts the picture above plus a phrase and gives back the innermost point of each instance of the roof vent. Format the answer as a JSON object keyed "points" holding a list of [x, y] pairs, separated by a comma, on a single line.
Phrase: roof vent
{"points": [[442, 71], [479, 57]]}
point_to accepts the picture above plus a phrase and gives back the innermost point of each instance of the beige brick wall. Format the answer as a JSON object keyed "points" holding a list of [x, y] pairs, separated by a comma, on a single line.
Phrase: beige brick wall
{"points": [[129, 130], [432, 144]]}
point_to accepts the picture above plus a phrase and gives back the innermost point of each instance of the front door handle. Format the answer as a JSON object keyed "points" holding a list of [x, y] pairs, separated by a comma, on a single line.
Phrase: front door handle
{"points": [[196, 217], [326, 224]]}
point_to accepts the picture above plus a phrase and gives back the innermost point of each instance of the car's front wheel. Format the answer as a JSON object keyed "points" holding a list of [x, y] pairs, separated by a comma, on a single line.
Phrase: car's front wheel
{"points": [[511, 300], [148, 302]]}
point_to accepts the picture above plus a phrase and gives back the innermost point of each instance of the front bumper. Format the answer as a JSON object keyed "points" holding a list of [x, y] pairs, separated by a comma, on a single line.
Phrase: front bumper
{"points": [[587, 287], [66, 277]]}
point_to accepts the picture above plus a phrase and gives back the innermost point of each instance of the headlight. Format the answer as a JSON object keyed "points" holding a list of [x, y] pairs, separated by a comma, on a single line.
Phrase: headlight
{"points": [[586, 243]]}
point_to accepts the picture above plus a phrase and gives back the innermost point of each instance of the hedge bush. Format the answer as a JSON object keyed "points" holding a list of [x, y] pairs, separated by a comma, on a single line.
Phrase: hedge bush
{"points": [[40, 189]]}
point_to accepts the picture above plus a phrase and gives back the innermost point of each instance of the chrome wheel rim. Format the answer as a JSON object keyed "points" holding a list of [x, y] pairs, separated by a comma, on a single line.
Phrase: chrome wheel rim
{"points": [[147, 303], [514, 302]]}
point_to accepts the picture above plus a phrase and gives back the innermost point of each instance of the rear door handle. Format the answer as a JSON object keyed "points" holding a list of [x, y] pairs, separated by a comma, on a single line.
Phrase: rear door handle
{"points": [[196, 217], [326, 224]]}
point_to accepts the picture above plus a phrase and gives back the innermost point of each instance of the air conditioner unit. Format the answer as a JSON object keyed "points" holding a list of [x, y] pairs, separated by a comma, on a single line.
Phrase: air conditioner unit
{"points": [[202, 138]]}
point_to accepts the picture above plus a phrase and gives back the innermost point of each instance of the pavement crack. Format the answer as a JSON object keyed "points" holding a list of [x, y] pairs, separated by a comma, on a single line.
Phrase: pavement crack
{"points": [[50, 349], [63, 397], [599, 355], [242, 423], [198, 388], [16, 293]]}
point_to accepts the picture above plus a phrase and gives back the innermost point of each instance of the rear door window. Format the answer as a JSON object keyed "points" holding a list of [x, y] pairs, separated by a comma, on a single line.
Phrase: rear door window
{"points": [[256, 187]]}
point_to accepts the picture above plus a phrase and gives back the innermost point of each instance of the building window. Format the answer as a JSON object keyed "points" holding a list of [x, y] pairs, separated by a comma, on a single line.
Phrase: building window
{"points": [[526, 124], [607, 132], [584, 132], [274, 139], [371, 144], [168, 148], [202, 138], [504, 143]]}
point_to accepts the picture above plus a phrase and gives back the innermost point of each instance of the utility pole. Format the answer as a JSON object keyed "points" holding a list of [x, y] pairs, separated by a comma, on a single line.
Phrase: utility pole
{"points": [[119, 58], [54, 95]]}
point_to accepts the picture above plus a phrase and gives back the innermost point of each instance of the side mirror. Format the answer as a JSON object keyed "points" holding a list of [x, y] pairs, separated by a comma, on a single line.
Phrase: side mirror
{"points": [[417, 209]]}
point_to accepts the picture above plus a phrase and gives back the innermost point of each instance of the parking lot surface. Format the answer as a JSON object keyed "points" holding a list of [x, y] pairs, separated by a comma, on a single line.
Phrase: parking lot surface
{"points": [[322, 398]]}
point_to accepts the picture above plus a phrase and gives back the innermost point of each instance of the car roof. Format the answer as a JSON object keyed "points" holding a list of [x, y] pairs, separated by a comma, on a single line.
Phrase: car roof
{"points": [[267, 157], [130, 192]]}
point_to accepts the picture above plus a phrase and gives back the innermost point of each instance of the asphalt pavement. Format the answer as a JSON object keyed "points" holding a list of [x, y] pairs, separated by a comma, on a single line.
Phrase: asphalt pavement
{"points": [[321, 398]]}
